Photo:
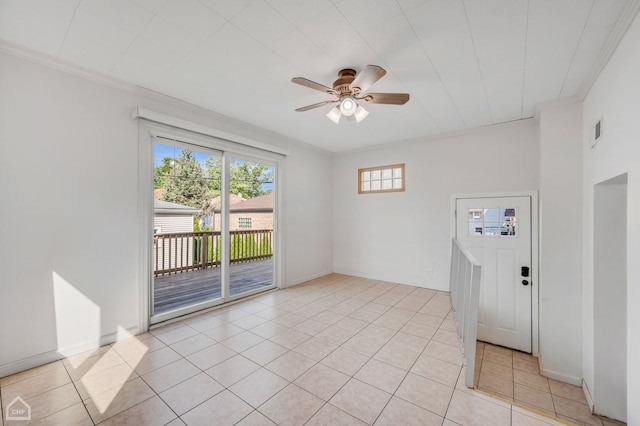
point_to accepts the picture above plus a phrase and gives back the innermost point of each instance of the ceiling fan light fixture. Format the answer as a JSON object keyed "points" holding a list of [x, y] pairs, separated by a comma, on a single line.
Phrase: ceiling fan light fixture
{"points": [[334, 115], [348, 89], [360, 114], [348, 105]]}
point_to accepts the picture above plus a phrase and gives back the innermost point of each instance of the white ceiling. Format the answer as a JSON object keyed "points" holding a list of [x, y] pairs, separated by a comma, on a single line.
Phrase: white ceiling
{"points": [[466, 63]]}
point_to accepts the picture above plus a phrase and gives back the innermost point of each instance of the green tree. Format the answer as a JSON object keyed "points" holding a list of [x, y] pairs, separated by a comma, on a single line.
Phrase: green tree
{"points": [[161, 172], [214, 175], [247, 178], [187, 184]]}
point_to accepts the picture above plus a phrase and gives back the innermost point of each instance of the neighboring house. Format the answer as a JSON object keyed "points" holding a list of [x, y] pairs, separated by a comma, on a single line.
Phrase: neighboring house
{"points": [[255, 213], [215, 202], [213, 221], [171, 218]]}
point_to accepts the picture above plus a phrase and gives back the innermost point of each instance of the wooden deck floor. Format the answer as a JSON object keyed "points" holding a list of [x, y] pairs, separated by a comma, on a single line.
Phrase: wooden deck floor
{"points": [[187, 288]]}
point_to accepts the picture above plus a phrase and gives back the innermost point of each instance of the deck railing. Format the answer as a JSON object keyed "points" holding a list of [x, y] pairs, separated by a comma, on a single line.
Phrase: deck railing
{"points": [[187, 251], [464, 286]]}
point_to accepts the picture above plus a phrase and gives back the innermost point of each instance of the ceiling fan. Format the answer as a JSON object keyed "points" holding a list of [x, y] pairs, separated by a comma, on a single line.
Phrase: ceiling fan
{"points": [[350, 87]]}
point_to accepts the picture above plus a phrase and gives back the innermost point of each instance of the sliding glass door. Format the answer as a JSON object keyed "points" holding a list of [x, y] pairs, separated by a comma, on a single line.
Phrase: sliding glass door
{"points": [[251, 213], [213, 227], [186, 253]]}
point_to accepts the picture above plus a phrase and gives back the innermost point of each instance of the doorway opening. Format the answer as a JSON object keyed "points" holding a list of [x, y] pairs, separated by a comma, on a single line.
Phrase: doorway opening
{"points": [[610, 297]]}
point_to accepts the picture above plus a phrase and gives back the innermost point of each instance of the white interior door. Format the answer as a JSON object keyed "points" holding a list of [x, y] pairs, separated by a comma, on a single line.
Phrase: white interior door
{"points": [[497, 231]]}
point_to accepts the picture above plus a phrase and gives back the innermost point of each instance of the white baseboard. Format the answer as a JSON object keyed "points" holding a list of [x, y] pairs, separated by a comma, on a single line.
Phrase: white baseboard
{"points": [[561, 377], [55, 355], [387, 278], [351, 273], [587, 395], [30, 362], [307, 278]]}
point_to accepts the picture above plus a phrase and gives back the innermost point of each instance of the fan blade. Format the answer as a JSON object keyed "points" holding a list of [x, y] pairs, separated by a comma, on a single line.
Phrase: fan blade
{"points": [[313, 85], [386, 98], [367, 77], [319, 104]]}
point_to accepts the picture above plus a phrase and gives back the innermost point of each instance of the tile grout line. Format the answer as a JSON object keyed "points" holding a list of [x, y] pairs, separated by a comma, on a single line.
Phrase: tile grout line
{"points": [[84, 406], [293, 308], [454, 388], [352, 377], [290, 382], [528, 406], [409, 370], [44, 392], [155, 393], [261, 366], [396, 333]]}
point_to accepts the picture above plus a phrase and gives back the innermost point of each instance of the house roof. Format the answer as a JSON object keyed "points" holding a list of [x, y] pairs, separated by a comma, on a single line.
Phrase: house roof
{"points": [[465, 64], [261, 203], [165, 207], [233, 199]]}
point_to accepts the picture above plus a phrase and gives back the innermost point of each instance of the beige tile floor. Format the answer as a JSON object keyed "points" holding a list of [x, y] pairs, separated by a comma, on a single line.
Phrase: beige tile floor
{"points": [[515, 377], [337, 350]]}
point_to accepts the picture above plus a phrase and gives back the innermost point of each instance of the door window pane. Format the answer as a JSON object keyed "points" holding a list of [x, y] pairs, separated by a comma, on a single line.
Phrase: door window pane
{"points": [[491, 228], [492, 221]]}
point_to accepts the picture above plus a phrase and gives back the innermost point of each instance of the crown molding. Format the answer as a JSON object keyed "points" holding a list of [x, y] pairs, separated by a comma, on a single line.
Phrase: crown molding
{"points": [[226, 124], [64, 66]]}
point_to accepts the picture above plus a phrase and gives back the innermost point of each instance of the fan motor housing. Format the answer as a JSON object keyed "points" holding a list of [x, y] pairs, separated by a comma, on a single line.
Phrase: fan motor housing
{"points": [[345, 78]]}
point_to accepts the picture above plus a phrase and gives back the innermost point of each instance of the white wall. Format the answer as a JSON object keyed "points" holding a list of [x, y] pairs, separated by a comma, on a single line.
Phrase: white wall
{"points": [[610, 298], [307, 217], [68, 179], [561, 241], [405, 237], [615, 97]]}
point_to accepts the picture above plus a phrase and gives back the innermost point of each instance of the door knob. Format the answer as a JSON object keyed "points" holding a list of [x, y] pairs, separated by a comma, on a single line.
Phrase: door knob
{"points": [[525, 282]]}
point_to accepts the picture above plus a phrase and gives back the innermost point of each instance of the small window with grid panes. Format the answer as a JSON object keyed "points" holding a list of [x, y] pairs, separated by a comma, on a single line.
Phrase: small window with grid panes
{"points": [[381, 179]]}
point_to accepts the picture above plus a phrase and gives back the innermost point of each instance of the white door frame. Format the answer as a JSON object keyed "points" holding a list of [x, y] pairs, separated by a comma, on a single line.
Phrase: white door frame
{"points": [[199, 137], [535, 283]]}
